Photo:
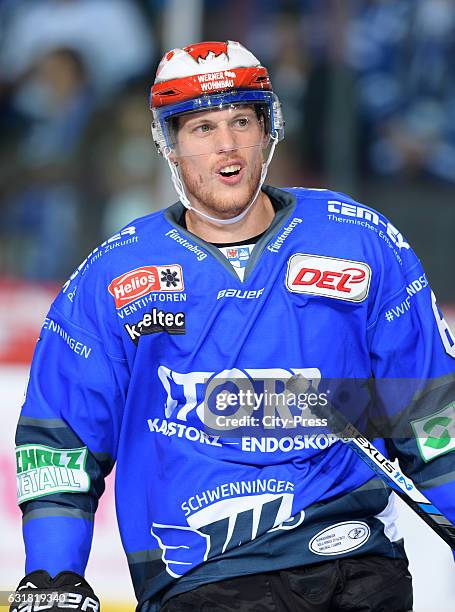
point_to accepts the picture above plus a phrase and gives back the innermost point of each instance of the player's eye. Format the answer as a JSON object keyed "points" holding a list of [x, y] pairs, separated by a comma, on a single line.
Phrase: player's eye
{"points": [[203, 128], [242, 122]]}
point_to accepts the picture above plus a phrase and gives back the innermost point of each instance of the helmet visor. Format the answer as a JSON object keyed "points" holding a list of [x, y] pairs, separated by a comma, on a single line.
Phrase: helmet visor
{"points": [[217, 123], [218, 130]]}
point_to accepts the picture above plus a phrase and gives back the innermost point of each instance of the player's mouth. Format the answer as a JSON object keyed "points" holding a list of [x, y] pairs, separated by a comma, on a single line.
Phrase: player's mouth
{"points": [[230, 174]]}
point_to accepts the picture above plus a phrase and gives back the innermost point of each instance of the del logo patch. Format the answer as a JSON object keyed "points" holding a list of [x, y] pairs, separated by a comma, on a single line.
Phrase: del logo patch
{"points": [[331, 277], [141, 281]]}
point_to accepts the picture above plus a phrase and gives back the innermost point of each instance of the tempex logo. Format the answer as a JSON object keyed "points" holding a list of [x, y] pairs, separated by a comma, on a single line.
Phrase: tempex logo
{"points": [[341, 279], [141, 281]]}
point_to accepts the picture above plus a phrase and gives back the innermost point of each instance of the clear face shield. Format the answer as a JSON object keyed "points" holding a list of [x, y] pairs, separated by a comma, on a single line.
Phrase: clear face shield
{"points": [[225, 142], [229, 128]]}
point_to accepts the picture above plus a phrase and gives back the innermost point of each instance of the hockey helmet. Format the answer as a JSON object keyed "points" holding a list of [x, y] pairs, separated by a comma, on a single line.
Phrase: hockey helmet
{"points": [[210, 75]]}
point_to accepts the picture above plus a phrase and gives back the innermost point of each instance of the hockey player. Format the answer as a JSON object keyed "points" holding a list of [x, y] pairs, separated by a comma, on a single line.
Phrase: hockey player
{"points": [[246, 282]]}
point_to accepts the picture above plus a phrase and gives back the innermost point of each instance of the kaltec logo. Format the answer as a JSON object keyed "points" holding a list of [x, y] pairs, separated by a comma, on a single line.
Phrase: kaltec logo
{"points": [[155, 322]]}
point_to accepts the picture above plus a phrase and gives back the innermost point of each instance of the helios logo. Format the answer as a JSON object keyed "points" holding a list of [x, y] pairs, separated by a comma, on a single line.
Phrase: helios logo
{"points": [[341, 279], [141, 281]]}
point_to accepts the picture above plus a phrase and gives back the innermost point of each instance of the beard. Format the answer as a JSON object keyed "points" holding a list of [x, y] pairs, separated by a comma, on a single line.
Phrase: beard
{"points": [[220, 200]]}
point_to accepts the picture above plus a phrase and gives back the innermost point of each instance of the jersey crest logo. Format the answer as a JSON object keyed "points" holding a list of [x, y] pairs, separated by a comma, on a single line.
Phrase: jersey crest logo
{"points": [[238, 256], [341, 279]]}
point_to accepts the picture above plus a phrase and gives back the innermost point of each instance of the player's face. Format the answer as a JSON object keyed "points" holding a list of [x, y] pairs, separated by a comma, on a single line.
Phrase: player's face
{"points": [[220, 157]]}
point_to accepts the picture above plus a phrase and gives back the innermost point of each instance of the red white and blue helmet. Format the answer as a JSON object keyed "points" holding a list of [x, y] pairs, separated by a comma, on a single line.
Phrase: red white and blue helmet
{"points": [[210, 75]]}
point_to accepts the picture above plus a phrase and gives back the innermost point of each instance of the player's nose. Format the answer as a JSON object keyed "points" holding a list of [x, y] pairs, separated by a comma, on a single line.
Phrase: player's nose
{"points": [[225, 138]]}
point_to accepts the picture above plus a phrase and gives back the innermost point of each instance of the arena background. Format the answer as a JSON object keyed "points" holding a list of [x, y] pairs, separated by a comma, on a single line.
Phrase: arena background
{"points": [[368, 90]]}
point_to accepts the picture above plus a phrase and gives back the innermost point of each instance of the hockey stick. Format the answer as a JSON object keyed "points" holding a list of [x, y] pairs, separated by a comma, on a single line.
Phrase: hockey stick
{"points": [[380, 465]]}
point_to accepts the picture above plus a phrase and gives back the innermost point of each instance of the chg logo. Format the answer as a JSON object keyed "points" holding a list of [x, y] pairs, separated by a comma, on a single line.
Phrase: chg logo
{"points": [[435, 433]]}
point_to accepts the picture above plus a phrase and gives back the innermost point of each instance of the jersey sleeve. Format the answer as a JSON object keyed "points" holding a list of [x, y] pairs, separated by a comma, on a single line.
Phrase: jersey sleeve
{"points": [[413, 361], [69, 427]]}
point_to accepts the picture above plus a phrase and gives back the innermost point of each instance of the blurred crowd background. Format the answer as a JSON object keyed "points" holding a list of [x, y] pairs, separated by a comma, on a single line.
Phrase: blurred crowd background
{"points": [[367, 86]]}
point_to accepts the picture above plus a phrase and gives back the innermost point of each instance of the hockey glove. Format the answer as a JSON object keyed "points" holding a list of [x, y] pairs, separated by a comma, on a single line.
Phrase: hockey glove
{"points": [[38, 591]]}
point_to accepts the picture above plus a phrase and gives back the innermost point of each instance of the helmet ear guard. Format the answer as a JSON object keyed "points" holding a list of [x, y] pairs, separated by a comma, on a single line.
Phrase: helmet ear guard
{"points": [[158, 136], [278, 119]]}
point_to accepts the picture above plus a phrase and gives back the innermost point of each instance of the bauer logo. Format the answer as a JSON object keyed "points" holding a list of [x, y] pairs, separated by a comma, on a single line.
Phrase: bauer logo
{"points": [[340, 538], [141, 281], [341, 279]]}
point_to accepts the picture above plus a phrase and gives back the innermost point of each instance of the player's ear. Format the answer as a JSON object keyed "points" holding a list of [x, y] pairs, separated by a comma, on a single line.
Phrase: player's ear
{"points": [[265, 134], [265, 138], [173, 158], [173, 131]]}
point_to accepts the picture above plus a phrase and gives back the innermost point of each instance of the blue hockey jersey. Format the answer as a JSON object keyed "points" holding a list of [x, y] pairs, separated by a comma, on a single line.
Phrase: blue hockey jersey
{"points": [[332, 290]]}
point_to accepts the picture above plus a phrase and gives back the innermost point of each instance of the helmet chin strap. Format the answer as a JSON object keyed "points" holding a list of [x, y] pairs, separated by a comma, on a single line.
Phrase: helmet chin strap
{"points": [[179, 187]]}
